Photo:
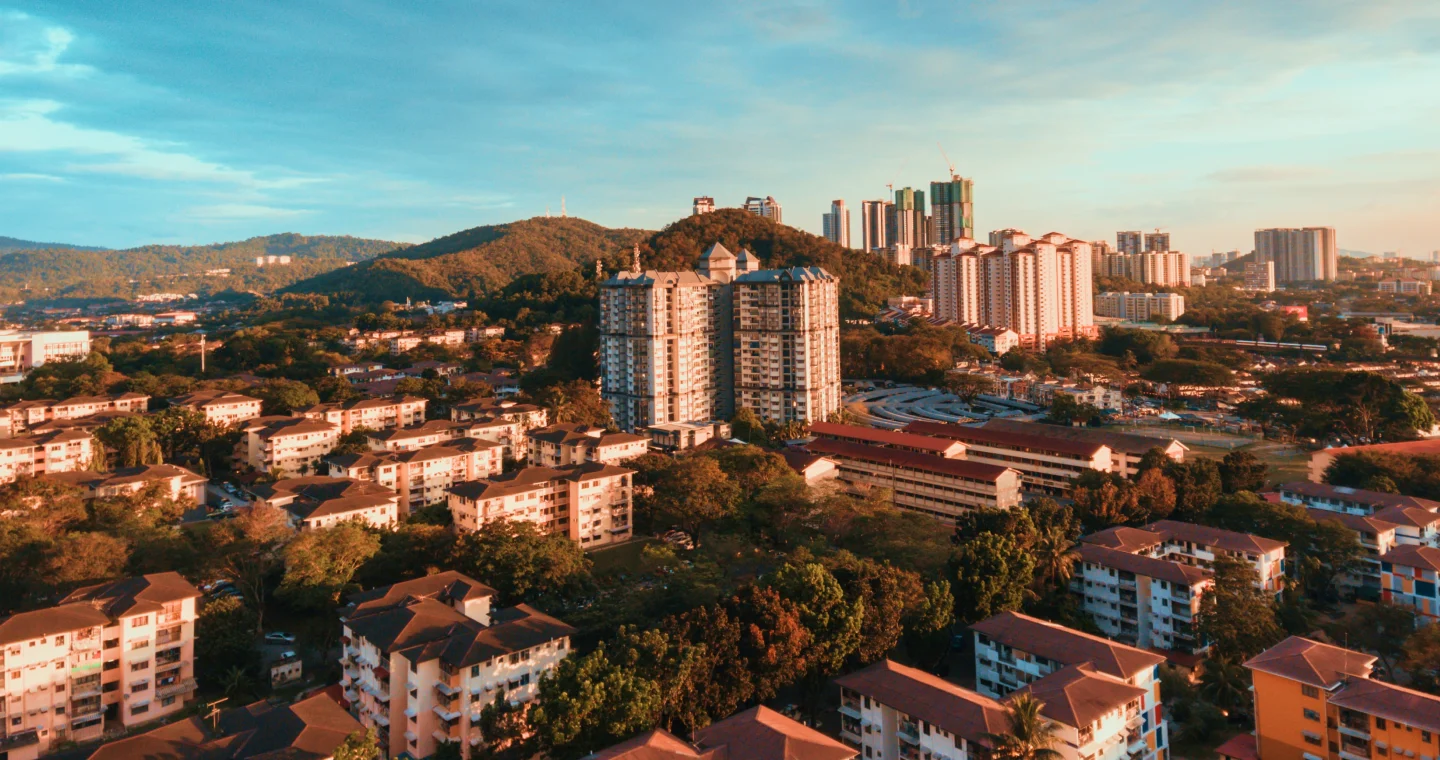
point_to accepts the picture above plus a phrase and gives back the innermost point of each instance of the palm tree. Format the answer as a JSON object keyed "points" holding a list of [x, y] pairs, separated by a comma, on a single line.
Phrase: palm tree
{"points": [[1054, 556], [1223, 683], [235, 681], [1031, 735]]}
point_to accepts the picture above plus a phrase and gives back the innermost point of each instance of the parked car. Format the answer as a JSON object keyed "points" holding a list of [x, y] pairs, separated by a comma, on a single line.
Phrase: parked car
{"points": [[279, 637]]}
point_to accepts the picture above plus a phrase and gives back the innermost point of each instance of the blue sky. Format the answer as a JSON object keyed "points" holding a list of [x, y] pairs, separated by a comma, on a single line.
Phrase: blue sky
{"points": [[139, 122]]}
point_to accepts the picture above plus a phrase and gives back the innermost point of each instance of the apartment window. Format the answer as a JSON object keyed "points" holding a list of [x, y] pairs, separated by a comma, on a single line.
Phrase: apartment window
{"points": [[60, 639], [1425, 736], [1312, 715], [1380, 724], [140, 709], [138, 666], [139, 621], [1312, 739], [1310, 691], [167, 701]]}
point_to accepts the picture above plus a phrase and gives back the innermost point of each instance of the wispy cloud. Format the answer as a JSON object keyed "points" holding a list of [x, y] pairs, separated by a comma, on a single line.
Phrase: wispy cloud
{"points": [[229, 212], [30, 177], [28, 46], [1240, 175]]}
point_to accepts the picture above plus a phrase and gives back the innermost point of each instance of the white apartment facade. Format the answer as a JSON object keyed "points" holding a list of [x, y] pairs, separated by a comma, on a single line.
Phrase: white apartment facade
{"points": [[126, 646], [1260, 276], [1142, 601], [1140, 307], [23, 350], [1041, 288], [1299, 254], [570, 444], [1016, 652], [221, 407], [48, 453], [288, 444], [423, 476], [591, 503], [370, 413], [787, 344], [421, 660]]}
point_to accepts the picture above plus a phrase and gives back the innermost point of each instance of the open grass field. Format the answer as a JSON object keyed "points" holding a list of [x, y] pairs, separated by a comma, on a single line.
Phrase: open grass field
{"points": [[1287, 462]]}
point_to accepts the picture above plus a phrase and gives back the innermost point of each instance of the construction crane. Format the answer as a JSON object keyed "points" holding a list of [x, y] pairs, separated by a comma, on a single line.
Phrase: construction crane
{"points": [[890, 186], [948, 162]]}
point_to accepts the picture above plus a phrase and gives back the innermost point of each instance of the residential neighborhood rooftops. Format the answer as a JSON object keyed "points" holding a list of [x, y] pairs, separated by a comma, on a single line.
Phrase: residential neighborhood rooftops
{"points": [[1376, 499], [1150, 567], [1066, 645], [1028, 440], [883, 437], [1078, 695], [962, 468], [1311, 662], [1129, 443]]}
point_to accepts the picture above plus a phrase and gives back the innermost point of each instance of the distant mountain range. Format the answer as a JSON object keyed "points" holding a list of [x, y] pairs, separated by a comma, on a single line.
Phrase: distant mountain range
{"points": [[78, 272], [8, 244]]}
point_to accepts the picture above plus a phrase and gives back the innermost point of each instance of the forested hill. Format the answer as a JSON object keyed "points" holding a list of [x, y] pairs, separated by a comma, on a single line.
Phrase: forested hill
{"points": [[477, 261], [482, 261], [866, 280], [8, 244], [91, 273]]}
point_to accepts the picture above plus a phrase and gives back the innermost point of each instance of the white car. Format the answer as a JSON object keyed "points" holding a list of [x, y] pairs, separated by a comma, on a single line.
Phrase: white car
{"points": [[279, 637]]}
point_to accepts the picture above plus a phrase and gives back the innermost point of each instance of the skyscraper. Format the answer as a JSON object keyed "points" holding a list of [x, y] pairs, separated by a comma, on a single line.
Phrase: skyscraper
{"points": [[1128, 241], [1039, 287], [907, 222], [690, 346], [767, 207], [1299, 255], [1157, 241], [952, 207], [836, 224], [874, 224], [704, 204]]}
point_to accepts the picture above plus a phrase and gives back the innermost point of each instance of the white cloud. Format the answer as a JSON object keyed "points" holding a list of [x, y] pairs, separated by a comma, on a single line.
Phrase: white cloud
{"points": [[28, 127], [29, 47], [30, 177], [221, 212]]}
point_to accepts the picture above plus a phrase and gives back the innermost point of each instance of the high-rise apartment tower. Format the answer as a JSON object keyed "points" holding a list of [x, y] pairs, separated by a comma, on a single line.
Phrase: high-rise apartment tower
{"points": [[953, 210], [836, 224]]}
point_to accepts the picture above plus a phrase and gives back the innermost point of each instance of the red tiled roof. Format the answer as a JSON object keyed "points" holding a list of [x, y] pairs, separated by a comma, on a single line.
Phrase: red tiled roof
{"points": [[961, 468], [1410, 555], [1066, 645], [1311, 662], [882, 437], [958, 710], [1150, 567], [1036, 441]]}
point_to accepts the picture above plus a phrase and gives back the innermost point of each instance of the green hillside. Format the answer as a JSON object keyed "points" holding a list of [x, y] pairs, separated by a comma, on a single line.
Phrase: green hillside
{"points": [[84, 273], [8, 244], [480, 262], [476, 261]]}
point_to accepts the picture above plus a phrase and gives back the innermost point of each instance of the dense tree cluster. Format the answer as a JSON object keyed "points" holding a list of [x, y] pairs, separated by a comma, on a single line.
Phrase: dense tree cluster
{"points": [[1357, 406]]}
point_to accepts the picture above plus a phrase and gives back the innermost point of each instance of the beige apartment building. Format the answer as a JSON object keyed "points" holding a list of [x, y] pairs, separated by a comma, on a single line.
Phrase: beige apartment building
{"points": [[220, 407], [48, 453], [939, 487], [589, 503], [1140, 307], [17, 418], [320, 502], [1045, 463], [421, 659], [787, 343], [423, 476], [510, 434], [22, 350], [107, 657], [288, 444], [176, 482], [369, 413], [568, 444]]}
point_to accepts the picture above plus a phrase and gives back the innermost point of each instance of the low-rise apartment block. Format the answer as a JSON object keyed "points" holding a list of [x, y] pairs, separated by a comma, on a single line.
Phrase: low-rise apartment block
{"points": [[567, 444], [510, 434], [369, 413], [1016, 652], [23, 350], [421, 659], [111, 656], [176, 482], [1199, 545], [423, 476], [1315, 700], [1376, 537], [680, 436], [1126, 449], [755, 734], [313, 727], [1045, 463], [944, 448], [320, 502], [589, 503], [1410, 576], [292, 445], [220, 407], [20, 417], [48, 453], [933, 485], [1143, 601], [1416, 521]]}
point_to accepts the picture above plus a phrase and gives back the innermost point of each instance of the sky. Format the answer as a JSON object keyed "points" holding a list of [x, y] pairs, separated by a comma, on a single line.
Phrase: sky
{"points": [[141, 122]]}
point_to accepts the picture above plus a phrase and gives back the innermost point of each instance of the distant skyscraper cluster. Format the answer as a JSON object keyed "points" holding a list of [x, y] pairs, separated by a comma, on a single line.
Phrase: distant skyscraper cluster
{"points": [[1300, 255], [695, 346], [1042, 287], [836, 224]]}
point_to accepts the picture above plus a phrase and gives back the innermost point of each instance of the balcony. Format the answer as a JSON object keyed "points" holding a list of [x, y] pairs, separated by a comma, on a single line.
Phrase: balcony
{"points": [[909, 732], [447, 715], [179, 687], [449, 686]]}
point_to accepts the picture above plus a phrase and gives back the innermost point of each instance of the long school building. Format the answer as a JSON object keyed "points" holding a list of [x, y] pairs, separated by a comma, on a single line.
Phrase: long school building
{"points": [[936, 486]]}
